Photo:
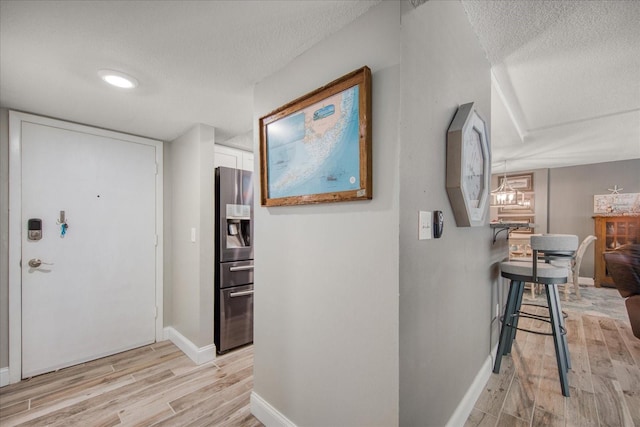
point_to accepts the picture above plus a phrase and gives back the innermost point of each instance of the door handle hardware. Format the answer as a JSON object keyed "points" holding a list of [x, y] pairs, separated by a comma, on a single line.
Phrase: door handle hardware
{"points": [[240, 294], [241, 268], [36, 262]]}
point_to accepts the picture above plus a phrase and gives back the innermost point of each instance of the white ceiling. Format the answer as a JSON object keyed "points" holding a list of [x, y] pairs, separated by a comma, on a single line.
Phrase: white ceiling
{"points": [[196, 61], [566, 73], [566, 80]]}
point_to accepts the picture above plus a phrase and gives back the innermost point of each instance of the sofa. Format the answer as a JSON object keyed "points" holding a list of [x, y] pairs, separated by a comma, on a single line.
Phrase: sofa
{"points": [[623, 265]]}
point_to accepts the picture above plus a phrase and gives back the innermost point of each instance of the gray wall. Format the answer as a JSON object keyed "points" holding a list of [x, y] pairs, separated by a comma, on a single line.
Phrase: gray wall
{"points": [[326, 276], [571, 192], [192, 189], [167, 246], [4, 237], [447, 286], [358, 322]]}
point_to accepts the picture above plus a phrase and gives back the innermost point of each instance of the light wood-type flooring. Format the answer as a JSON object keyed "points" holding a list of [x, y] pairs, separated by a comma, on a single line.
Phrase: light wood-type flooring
{"points": [[153, 385], [159, 385], [604, 380]]}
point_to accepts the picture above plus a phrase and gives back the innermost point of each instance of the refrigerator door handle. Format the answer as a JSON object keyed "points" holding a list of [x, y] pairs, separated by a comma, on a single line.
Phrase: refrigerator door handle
{"points": [[241, 268], [240, 294]]}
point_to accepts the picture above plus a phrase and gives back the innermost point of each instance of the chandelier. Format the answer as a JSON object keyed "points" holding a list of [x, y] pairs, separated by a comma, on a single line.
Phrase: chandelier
{"points": [[505, 195]]}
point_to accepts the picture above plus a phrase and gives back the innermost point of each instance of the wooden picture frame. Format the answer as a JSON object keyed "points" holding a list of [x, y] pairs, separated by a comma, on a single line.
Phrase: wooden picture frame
{"points": [[616, 203], [317, 148], [527, 208], [522, 182]]}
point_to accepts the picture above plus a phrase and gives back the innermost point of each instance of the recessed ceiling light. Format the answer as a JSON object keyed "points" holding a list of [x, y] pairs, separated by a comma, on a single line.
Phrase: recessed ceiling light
{"points": [[118, 79]]}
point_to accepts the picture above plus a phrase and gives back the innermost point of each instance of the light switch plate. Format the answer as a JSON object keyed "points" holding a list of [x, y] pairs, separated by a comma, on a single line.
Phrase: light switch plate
{"points": [[425, 225]]}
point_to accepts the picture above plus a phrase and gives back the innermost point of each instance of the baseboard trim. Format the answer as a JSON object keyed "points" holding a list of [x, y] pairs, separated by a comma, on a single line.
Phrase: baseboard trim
{"points": [[271, 417], [267, 414], [462, 412], [199, 355], [4, 377], [585, 281]]}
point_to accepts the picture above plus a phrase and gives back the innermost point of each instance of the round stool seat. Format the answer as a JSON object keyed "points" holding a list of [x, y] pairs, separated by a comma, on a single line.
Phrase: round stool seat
{"points": [[544, 270]]}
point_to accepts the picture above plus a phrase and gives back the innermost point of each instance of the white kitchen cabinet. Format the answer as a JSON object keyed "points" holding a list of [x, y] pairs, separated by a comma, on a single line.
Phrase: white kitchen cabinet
{"points": [[232, 158], [247, 161]]}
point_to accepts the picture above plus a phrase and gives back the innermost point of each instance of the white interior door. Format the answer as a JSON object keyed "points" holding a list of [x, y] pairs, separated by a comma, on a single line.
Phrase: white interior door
{"points": [[97, 293]]}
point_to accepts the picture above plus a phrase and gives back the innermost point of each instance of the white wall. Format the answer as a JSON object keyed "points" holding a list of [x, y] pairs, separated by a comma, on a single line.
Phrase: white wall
{"points": [[447, 286], [192, 177], [326, 276]]}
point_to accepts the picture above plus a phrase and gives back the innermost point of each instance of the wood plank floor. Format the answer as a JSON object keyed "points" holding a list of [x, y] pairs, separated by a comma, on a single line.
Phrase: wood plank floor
{"points": [[159, 385], [155, 385], [604, 380]]}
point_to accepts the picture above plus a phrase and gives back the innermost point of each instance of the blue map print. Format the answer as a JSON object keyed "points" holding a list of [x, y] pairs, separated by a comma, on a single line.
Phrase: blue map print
{"points": [[316, 150]]}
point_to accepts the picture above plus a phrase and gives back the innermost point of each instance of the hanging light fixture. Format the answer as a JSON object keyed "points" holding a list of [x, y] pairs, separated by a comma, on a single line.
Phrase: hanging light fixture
{"points": [[505, 195]]}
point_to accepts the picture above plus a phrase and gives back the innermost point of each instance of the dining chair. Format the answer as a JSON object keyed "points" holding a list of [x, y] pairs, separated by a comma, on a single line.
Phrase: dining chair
{"points": [[575, 267]]}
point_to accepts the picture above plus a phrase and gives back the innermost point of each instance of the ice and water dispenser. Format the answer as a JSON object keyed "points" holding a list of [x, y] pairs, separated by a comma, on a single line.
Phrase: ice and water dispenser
{"points": [[238, 226]]}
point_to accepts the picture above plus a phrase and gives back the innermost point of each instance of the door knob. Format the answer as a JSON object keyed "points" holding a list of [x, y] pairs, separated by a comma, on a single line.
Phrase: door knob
{"points": [[36, 262]]}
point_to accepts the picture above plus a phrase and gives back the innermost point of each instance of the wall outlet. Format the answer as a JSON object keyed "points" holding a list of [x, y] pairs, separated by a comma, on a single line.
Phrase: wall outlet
{"points": [[497, 310], [425, 225]]}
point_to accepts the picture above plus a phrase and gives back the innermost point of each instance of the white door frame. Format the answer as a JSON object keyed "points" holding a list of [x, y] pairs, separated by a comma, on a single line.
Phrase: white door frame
{"points": [[15, 225]]}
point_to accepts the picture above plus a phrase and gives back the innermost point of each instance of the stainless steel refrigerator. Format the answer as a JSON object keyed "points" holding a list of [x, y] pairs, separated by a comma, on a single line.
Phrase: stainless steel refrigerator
{"points": [[234, 259]]}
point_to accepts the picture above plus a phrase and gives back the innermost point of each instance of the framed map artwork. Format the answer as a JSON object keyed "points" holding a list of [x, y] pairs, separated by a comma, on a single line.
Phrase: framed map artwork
{"points": [[317, 148]]}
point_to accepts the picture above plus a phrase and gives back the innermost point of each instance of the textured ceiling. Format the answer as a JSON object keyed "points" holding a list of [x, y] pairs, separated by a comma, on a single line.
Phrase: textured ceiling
{"points": [[566, 80], [196, 60], [566, 73]]}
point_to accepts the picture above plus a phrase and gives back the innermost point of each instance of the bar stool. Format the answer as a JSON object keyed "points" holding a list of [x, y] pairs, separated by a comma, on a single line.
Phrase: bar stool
{"points": [[545, 248]]}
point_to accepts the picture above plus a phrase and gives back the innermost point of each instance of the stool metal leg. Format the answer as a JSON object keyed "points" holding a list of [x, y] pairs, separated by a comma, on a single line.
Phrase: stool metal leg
{"points": [[514, 329], [564, 336], [559, 343], [505, 329]]}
